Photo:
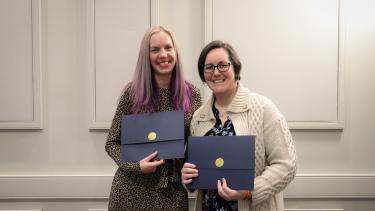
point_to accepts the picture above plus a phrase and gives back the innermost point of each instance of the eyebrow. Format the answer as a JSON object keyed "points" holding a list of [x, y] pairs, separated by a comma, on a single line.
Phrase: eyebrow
{"points": [[220, 62]]}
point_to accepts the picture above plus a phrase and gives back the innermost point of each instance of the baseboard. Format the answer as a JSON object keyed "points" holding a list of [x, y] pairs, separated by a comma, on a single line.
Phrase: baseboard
{"points": [[98, 186]]}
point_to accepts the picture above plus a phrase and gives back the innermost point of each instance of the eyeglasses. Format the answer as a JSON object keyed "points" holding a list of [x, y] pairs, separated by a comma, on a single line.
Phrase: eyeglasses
{"points": [[210, 68]]}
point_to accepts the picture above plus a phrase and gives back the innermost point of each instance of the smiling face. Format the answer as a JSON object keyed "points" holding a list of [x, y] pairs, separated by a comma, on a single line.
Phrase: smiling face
{"points": [[162, 55], [221, 83]]}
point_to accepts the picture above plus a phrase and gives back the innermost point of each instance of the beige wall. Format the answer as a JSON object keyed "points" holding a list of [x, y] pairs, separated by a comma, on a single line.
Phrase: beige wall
{"points": [[64, 165]]}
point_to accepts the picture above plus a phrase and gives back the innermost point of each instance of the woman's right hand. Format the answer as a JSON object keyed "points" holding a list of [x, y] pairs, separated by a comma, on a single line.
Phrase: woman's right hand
{"points": [[148, 164], [188, 172]]}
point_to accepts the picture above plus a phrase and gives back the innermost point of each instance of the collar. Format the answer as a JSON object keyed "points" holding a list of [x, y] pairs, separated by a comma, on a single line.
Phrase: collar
{"points": [[240, 103]]}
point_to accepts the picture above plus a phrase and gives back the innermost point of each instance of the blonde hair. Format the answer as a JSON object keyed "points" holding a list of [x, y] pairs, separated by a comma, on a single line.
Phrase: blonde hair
{"points": [[143, 89]]}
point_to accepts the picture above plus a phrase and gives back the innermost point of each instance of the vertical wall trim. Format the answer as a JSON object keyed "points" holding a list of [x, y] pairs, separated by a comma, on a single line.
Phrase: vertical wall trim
{"points": [[37, 61], [341, 67], [91, 65], [208, 22], [154, 12], [207, 37]]}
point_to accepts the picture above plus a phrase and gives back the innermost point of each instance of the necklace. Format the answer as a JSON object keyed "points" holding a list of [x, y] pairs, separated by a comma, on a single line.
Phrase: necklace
{"points": [[222, 114], [222, 111]]}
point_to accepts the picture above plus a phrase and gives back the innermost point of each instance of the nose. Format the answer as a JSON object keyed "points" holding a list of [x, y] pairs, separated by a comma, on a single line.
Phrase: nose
{"points": [[163, 53], [216, 71]]}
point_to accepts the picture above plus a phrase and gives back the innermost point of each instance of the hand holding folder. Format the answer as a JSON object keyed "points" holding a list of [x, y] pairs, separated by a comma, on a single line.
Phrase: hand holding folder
{"points": [[143, 134], [149, 165], [218, 157]]}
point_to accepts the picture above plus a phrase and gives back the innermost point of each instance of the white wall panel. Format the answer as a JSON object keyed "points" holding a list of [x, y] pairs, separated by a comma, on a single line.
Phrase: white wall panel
{"points": [[118, 29], [20, 73], [64, 166], [290, 52]]}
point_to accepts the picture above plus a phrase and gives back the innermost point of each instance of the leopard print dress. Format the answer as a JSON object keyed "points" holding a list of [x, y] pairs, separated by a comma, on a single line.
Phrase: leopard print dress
{"points": [[133, 190]]}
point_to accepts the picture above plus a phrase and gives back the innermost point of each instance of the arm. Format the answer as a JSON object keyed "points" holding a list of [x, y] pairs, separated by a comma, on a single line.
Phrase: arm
{"points": [[280, 156], [113, 143]]}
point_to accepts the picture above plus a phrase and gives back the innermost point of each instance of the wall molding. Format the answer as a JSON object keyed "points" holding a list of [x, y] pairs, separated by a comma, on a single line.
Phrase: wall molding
{"points": [[91, 64], [95, 124], [340, 122], [332, 186], [316, 125], [315, 209], [21, 210], [318, 186], [55, 187], [36, 123], [155, 12]]}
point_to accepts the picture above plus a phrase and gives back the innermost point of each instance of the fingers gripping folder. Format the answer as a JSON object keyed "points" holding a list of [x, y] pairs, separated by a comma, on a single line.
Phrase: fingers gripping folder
{"points": [[217, 157], [143, 134]]}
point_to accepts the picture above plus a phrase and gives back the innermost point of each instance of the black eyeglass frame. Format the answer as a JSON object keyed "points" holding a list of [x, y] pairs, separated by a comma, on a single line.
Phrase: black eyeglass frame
{"points": [[220, 67]]}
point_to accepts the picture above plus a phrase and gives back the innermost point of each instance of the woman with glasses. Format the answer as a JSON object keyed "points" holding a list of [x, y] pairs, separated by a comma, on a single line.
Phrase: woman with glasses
{"points": [[157, 86], [235, 110]]}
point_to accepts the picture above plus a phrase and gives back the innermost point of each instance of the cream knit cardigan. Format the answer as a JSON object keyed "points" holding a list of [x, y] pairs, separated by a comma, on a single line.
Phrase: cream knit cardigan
{"points": [[275, 154]]}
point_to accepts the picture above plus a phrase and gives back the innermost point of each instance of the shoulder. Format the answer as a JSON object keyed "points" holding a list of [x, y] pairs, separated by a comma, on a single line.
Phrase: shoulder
{"points": [[203, 113], [265, 104], [246, 99], [202, 120], [126, 93], [193, 91], [260, 99], [257, 102]]}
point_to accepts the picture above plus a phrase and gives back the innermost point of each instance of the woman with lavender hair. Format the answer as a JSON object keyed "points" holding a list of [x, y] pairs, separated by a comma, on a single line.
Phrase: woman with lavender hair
{"points": [[157, 86]]}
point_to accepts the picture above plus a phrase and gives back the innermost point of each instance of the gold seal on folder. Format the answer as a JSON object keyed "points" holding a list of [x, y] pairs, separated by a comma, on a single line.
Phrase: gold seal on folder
{"points": [[219, 162], [151, 136]]}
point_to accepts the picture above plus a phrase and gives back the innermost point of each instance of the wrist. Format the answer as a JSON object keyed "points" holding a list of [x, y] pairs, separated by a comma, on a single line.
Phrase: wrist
{"points": [[247, 194]]}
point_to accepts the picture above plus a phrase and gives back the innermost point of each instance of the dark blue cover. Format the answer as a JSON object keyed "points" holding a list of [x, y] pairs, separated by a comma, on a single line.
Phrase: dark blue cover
{"points": [[169, 130], [238, 153]]}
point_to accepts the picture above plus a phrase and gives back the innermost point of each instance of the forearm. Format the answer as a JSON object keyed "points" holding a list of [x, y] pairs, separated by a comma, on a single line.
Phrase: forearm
{"points": [[113, 143], [281, 159], [113, 148]]}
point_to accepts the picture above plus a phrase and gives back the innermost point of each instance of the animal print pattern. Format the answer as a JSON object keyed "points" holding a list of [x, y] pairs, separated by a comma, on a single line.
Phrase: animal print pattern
{"points": [[161, 190]]}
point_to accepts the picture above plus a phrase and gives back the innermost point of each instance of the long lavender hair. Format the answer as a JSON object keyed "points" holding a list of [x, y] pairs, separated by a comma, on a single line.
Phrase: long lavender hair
{"points": [[143, 88]]}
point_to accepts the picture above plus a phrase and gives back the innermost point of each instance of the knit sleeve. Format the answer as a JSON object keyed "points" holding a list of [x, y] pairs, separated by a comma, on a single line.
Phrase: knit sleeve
{"points": [[113, 143], [280, 156]]}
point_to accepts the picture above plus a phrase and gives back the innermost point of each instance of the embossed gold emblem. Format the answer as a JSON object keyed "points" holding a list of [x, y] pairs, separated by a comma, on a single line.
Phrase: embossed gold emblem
{"points": [[219, 162], [151, 136]]}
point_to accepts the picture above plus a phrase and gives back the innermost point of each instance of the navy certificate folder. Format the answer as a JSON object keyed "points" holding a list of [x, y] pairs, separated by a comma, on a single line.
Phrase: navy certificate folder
{"points": [[217, 157], [143, 134]]}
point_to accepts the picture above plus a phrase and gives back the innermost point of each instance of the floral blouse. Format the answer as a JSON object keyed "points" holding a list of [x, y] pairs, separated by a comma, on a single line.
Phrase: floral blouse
{"points": [[211, 199]]}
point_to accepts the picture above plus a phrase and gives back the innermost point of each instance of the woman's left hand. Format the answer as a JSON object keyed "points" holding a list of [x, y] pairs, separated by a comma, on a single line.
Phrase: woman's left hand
{"points": [[227, 193]]}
